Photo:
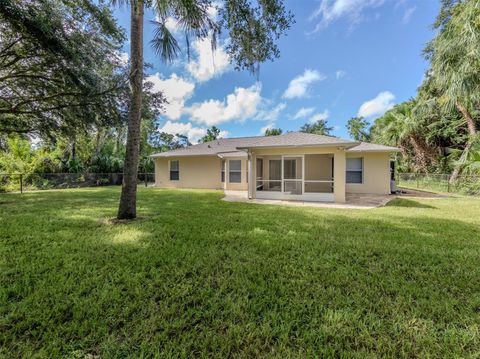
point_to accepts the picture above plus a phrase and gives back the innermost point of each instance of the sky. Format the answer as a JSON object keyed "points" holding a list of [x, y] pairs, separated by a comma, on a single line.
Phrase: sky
{"points": [[341, 58]]}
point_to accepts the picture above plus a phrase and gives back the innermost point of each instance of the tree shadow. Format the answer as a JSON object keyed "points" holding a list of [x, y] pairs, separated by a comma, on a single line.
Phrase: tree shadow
{"points": [[402, 202]]}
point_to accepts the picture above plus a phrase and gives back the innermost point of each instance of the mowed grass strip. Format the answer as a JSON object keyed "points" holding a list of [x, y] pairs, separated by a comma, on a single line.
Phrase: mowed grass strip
{"points": [[196, 276]]}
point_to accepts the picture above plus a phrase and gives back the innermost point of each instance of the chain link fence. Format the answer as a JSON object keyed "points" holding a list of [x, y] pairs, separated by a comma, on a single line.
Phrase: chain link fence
{"points": [[11, 182], [464, 184]]}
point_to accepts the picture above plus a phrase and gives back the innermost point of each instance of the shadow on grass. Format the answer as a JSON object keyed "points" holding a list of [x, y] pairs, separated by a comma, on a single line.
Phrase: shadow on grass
{"points": [[402, 202], [205, 277]]}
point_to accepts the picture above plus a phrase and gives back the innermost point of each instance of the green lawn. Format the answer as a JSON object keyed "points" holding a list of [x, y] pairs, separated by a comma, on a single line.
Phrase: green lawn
{"points": [[196, 276]]}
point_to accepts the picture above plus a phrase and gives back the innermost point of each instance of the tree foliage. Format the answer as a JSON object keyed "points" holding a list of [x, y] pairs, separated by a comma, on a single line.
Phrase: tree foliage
{"points": [[273, 131], [318, 128], [437, 130], [58, 66], [358, 129], [212, 134]]}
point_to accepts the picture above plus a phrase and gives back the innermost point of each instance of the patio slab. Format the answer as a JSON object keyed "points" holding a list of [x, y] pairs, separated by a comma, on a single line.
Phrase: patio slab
{"points": [[353, 201]]}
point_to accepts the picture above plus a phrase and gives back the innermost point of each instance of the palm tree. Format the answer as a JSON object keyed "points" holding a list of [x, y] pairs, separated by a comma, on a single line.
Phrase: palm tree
{"points": [[454, 55], [252, 30], [358, 129], [400, 127]]}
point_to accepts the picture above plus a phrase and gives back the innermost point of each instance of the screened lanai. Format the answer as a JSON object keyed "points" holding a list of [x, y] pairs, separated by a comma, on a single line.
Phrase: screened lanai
{"points": [[306, 177]]}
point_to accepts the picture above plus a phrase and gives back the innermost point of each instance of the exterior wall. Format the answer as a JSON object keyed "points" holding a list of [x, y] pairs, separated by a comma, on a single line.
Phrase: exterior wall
{"points": [[198, 172], [376, 173], [243, 186], [195, 172]]}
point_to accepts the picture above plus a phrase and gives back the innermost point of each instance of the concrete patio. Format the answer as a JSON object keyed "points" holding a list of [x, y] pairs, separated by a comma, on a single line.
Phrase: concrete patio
{"points": [[353, 201]]}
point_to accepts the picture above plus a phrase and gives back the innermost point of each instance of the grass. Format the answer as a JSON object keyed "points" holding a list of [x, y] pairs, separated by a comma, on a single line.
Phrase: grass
{"points": [[199, 277]]}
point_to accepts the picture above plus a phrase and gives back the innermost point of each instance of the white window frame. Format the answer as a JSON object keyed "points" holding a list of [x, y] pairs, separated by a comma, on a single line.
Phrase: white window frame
{"points": [[236, 171], [361, 171]]}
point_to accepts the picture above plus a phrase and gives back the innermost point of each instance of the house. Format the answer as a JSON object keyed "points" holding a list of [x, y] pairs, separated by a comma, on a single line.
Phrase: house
{"points": [[293, 166]]}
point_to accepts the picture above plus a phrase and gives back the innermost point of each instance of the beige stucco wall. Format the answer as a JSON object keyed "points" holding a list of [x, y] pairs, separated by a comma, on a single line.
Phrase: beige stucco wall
{"points": [[376, 173], [197, 172]]}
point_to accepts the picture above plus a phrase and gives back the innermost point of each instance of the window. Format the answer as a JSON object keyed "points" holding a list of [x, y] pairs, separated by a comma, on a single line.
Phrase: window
{"points": [[223, 171], [235, 171], [354, 170], [174, 171]]}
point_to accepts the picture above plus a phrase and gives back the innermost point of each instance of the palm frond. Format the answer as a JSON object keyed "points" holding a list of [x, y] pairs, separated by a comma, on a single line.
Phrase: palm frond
{"points": [[164, 43]]}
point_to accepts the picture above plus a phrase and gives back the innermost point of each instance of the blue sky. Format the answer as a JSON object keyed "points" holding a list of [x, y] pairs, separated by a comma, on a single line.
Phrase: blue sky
{"points": [[342, 58]]}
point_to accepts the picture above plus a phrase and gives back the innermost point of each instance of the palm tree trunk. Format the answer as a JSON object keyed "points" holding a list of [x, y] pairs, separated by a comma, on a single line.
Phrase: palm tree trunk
{"points": [[128, 200], [472, 130]]}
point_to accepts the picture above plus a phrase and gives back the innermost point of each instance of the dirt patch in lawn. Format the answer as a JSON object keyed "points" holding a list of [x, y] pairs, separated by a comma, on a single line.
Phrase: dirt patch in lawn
{"points": [[407, 192]]}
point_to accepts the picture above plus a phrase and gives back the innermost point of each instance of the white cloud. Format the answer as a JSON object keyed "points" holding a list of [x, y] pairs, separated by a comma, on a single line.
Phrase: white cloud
{"points": [[330, 11], [322, 116], [271, 114], [213, 10], [124, 58], [407, 15], [298, 87], [266, 127], [208, 63], [239, 105], [304, 112], [378, 105], [172, 25], [223, 134], [339, 74], [186, 129], [176, 89]]}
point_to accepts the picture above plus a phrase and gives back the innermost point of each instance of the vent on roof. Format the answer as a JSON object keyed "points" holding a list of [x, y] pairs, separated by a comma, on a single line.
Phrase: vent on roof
{"points": [[209, 146]]}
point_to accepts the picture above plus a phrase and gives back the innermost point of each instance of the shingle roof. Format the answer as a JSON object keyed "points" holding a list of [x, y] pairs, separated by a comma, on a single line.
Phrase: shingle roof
{"points": [[372, 147], [297, 139], [231, 147]]}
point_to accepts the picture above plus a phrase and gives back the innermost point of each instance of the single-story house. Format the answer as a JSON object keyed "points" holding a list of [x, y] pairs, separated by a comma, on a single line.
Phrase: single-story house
{"points": [[293, 166]]}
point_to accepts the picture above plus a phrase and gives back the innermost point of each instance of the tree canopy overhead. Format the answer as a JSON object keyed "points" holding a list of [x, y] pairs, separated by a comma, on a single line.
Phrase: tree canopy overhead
{"points": [[58, 66]]}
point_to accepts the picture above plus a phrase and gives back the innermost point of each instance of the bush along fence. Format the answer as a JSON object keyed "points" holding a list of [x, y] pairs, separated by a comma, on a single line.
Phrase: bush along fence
{"points": [[464, 184], [21, 182]]}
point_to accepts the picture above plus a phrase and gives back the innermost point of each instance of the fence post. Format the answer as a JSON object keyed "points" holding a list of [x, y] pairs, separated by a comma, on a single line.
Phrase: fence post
{"points": [[448, 185], [418, 184], [146, 180], [21, 183]]}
